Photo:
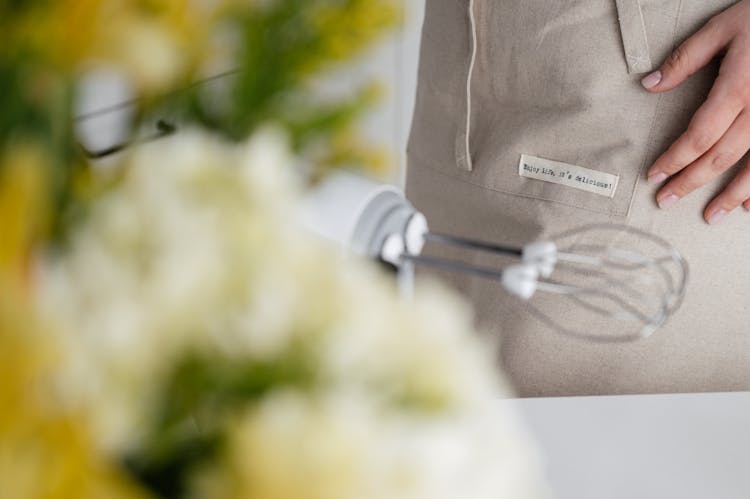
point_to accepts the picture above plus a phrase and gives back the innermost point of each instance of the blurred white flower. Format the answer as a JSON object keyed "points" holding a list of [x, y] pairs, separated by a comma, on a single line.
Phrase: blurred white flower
{"points": [[197, 251], [343, 446], [171, 260]]}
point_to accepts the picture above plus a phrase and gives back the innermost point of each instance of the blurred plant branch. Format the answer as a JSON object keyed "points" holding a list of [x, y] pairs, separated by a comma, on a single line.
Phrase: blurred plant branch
{"points": [[276, 47]]}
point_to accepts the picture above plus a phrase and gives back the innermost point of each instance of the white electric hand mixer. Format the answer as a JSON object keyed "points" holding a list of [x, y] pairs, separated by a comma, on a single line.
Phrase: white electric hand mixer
{"points": [[603, 282]]}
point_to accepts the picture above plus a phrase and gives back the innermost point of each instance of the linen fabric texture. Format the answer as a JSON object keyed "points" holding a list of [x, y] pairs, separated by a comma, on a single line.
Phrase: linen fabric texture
{"points": [[560, 80]]}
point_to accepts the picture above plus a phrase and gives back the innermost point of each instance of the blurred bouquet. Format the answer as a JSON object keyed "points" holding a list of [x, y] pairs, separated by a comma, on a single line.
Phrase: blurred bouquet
{"points": [[227, 354], [181, 336]]}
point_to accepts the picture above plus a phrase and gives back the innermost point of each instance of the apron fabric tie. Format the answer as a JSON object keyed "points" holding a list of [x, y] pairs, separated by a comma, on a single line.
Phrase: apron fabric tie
{"points": [[463, 147], [634, 39]]}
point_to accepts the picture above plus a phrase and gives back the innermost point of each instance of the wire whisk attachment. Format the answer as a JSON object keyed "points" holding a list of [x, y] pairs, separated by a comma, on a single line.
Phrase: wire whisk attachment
{"points": [[603, 283], [597, 282]]}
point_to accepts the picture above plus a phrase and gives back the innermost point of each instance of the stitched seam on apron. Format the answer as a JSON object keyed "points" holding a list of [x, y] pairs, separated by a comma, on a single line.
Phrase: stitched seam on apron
{"points": [[424, 163], [634, 37], [657, 113], [463, 147]]}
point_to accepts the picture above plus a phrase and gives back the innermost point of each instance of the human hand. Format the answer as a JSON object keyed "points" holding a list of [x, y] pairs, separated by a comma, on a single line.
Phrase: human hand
{"points": [[718, 135]]}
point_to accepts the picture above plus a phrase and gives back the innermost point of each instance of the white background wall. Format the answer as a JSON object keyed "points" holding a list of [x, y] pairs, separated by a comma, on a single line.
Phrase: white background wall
{"points": [[395, 63]]}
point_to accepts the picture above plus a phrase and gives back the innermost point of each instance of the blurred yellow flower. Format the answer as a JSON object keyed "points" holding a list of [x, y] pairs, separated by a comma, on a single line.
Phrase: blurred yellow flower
{"points": [[22, 205], [45, 449], [157, 42], [347, 27]]}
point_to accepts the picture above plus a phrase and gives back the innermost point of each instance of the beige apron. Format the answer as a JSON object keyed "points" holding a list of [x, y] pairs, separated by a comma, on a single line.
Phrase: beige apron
{"points": [[560, 80]]}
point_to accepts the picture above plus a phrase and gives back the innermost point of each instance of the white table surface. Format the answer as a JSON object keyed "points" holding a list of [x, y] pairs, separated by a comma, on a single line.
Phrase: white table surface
{"points": [[694, 446]]}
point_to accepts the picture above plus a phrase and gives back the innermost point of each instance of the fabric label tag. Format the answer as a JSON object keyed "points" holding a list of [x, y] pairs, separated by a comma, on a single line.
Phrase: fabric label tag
{"points": [[578, 177]]}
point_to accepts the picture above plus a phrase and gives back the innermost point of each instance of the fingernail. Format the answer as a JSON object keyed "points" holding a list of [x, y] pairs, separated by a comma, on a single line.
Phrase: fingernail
{"points": [[651, 80], [657, 178], [717, 217], [668, 202]]}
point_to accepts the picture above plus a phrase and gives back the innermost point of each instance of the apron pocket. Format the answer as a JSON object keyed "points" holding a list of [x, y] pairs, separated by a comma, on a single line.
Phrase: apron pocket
{"points": [[553, 108]]}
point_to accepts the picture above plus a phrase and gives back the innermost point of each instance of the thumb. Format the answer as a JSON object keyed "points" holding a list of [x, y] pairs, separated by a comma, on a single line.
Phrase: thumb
{"points": [[693, 54]]}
